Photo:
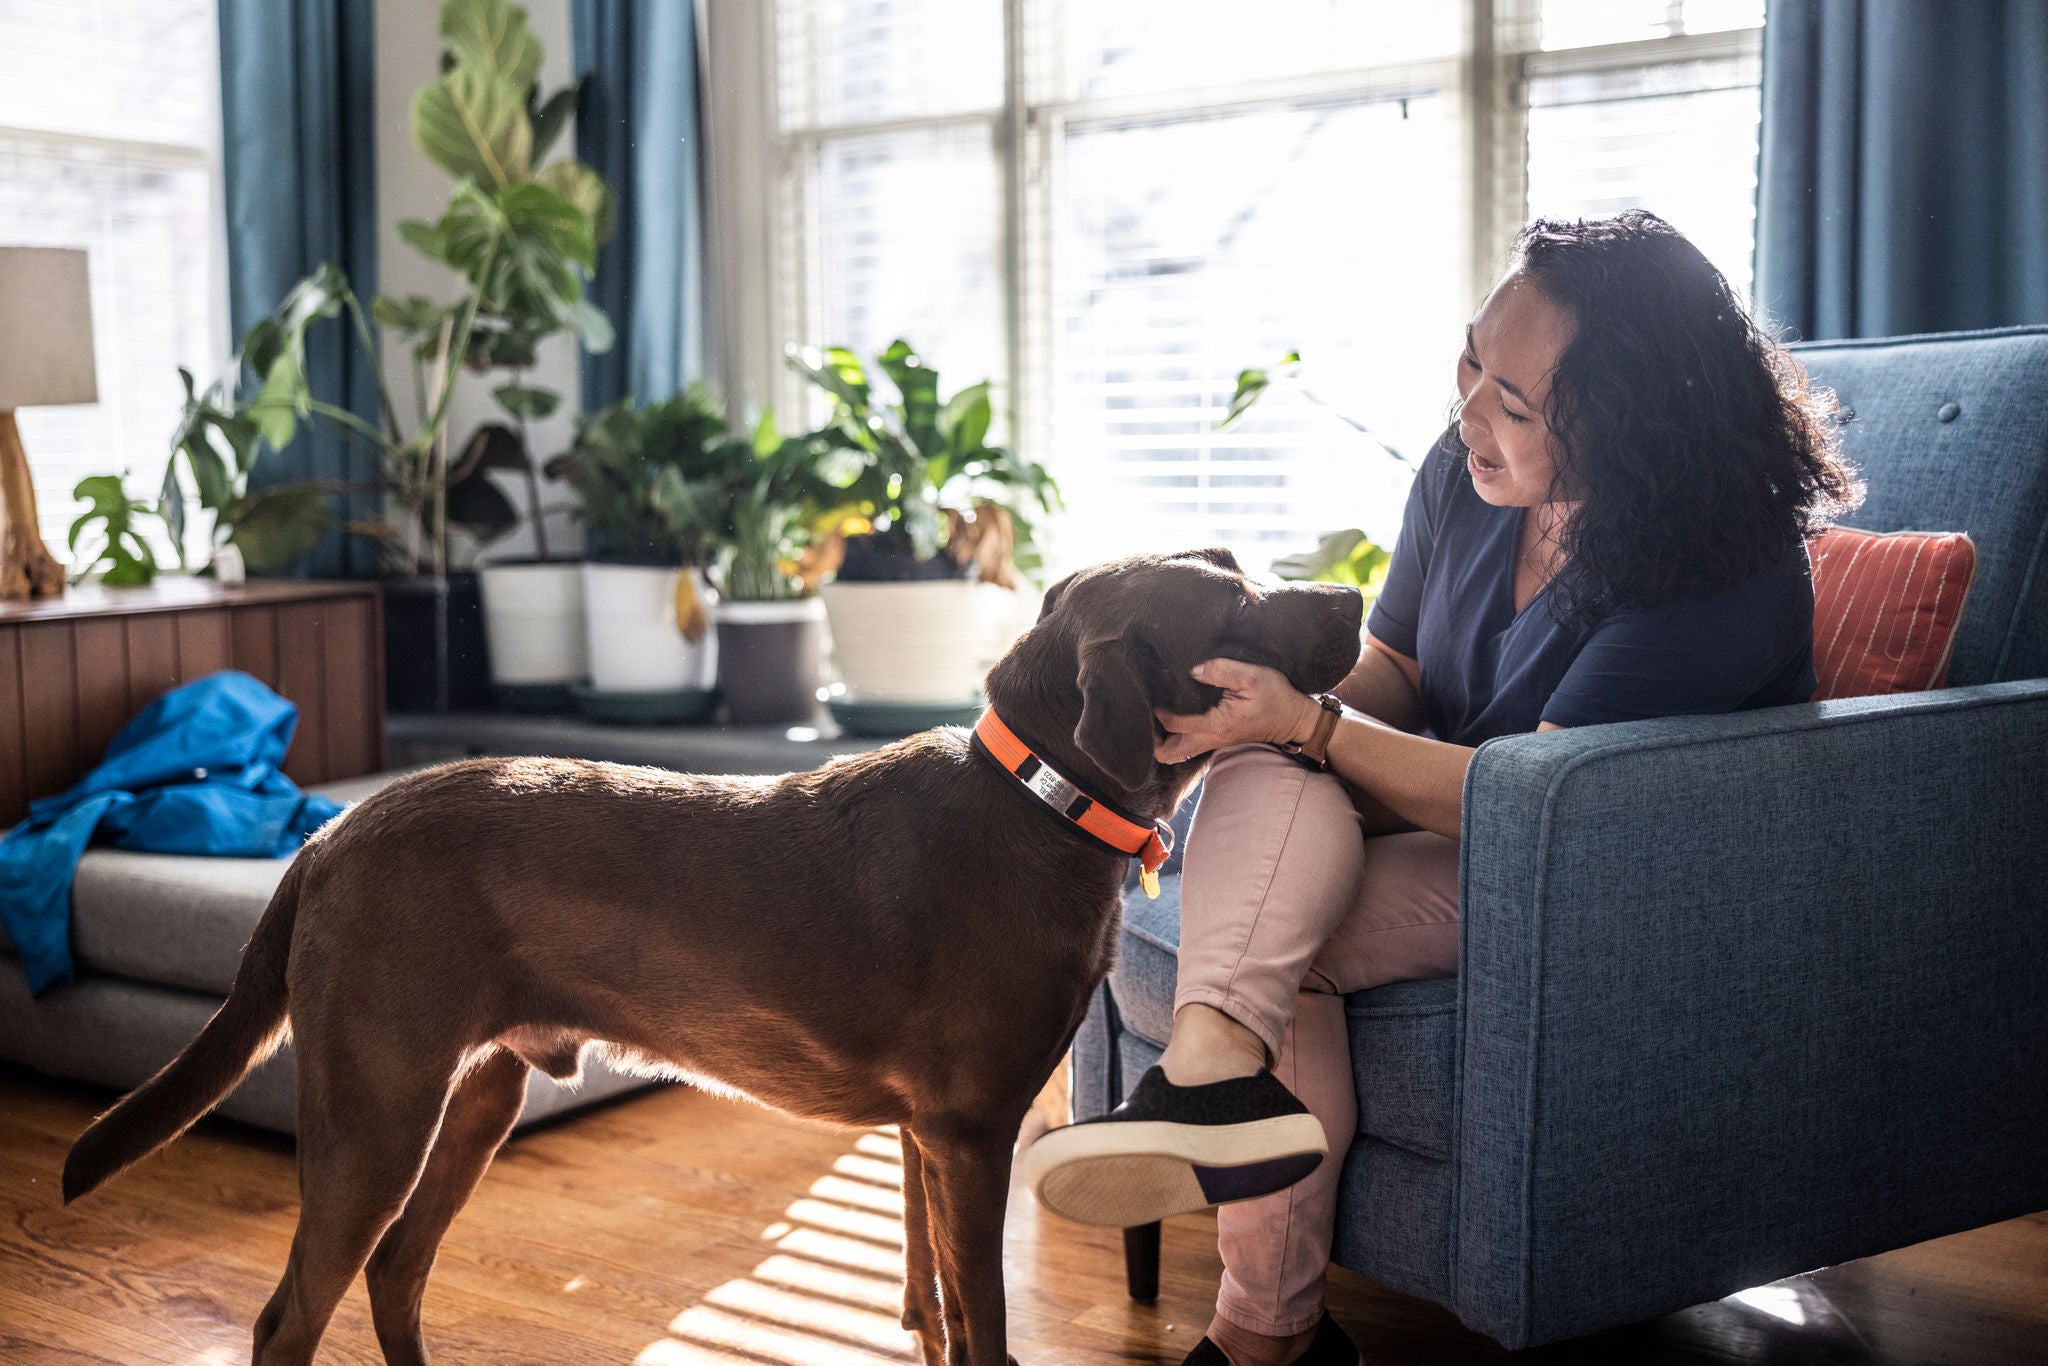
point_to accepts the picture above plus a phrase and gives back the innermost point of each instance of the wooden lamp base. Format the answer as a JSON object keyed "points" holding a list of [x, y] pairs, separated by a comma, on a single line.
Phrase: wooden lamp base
{"points": [[27, 568]]}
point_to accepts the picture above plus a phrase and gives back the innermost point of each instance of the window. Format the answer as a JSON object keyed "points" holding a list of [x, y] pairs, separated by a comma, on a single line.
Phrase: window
{"points": [[1112, 207], [109, 128]]}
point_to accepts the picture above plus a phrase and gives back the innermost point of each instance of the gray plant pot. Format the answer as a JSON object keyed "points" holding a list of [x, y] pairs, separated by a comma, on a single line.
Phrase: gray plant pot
{"points": [[770, 658]]}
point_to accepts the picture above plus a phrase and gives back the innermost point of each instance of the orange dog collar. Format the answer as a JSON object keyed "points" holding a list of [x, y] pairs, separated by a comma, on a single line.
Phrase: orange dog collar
{"points": [[1074, 804]]}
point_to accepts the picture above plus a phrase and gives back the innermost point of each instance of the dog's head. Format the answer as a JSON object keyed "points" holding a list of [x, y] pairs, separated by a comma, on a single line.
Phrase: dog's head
{"points": [[1117, 640]]}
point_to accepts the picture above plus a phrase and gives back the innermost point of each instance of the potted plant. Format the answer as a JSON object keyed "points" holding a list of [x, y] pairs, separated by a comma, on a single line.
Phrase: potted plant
{"points": [[928, 510], [484, 120], [771, 624], [652, 482]]}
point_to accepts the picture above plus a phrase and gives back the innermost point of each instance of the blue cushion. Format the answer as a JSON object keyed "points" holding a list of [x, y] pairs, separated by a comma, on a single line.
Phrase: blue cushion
{"points": [[1403, 1048], [1394, 1219], [1951, 435]]}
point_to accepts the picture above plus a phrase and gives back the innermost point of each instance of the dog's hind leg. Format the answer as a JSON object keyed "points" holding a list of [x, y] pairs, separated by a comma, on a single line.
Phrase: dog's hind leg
{"points": [[361, 1149], [923, 1312], [967, 1186], [480, 1114]]}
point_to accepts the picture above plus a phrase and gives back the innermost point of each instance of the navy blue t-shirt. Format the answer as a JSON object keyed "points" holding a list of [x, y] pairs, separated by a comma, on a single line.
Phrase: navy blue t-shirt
{"points": [[1488, 670]]}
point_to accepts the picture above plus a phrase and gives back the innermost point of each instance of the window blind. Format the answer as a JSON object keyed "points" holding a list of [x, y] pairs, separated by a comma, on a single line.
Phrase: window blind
{"points": [[1119, 204], [108, 129]]}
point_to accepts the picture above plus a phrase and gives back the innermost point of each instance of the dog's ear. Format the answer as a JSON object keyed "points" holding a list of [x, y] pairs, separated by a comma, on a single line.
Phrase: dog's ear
{"points": [[1115, 729], [1052, 597], [1220, 557]]}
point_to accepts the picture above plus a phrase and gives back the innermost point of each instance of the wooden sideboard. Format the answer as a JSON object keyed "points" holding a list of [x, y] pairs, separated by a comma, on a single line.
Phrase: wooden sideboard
{"points": [[75, 669]]}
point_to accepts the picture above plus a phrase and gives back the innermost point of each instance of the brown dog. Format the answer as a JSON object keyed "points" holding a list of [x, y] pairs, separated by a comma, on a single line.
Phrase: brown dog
{"points": [[901, 937]]}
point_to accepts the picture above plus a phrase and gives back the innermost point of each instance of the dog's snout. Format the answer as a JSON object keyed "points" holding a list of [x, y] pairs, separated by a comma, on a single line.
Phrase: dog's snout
{"points": [[1347, 602]]}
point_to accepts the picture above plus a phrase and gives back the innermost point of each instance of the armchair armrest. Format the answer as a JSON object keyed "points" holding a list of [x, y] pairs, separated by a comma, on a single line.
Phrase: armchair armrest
{"points": [[1746, 995]]}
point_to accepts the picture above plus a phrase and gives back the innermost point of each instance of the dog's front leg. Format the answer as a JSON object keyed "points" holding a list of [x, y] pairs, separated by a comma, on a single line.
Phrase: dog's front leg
{"points": [[966, 1178], [922, 1312]]}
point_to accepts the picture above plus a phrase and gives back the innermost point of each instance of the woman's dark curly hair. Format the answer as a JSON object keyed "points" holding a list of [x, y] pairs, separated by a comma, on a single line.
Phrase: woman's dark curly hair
{"points": [[1693, 444]]}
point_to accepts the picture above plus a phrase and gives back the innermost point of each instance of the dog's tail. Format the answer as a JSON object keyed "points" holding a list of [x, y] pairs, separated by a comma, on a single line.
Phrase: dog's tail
{"points": [[243, 1033]]}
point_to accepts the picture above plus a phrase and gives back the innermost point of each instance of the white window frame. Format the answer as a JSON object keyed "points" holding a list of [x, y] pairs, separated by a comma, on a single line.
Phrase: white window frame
{"points": [[759, 300], [143, 469]]}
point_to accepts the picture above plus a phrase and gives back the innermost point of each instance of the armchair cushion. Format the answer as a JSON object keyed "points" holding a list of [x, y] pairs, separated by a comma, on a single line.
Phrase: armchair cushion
{"points": [[1886, 606]]}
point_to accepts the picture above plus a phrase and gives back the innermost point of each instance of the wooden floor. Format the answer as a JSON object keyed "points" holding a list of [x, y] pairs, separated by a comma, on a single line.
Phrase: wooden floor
{"points": [[675, 1228]]}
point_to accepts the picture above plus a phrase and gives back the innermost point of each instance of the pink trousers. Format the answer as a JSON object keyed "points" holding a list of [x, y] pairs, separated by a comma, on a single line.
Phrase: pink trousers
{"points": [[1285, 906]]}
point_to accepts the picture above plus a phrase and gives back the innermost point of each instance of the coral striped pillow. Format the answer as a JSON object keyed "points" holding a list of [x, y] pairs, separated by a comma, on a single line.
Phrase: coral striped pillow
{"points": [[1885, 608]]}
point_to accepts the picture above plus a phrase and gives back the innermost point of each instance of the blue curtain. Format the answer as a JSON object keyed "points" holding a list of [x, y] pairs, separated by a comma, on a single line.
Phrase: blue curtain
{"points": [[637, 127], [1903, 185], [298, 99]]}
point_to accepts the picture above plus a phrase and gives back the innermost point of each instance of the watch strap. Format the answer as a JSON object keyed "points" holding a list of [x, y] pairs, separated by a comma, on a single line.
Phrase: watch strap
{"points": [[1315, 750]]}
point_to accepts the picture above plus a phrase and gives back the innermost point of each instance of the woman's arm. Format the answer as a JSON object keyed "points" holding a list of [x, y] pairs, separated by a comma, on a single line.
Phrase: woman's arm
{"points": [[1420, 780], [1384, 683]]}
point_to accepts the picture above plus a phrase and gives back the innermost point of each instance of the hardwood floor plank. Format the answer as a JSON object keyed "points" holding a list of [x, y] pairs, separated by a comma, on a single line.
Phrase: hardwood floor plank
{"points": [[677, 1228]]}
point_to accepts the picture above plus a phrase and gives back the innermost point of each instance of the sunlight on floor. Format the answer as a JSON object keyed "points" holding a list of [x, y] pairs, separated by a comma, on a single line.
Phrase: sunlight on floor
{"points": [[1781, 1302], [833, 1287]]}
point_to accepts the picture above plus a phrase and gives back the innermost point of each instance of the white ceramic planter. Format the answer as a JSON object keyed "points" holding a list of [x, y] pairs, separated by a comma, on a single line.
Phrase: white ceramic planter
{"points": [[533, 619], [910, 642], [634, 643]]}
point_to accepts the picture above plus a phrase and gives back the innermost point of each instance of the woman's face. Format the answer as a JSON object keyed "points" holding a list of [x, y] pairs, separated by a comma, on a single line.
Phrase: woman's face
{"points": [[1511, 348]]}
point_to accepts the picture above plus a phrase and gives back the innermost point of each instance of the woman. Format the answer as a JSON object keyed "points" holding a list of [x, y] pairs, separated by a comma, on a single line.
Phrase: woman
{"points": [[1613, 528]]}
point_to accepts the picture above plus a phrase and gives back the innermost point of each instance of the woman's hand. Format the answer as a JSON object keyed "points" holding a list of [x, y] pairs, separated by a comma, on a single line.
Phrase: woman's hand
{"points": [[1258, 706]]}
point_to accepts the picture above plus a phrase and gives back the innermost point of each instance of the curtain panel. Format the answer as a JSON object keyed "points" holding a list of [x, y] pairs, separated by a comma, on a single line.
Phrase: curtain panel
{"points": [[298, 139], [1903, 183], [637, 127]]}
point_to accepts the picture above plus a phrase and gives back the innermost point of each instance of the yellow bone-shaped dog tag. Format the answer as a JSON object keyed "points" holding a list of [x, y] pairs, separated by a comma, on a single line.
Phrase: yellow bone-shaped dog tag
{"points": [[1148, 878]]}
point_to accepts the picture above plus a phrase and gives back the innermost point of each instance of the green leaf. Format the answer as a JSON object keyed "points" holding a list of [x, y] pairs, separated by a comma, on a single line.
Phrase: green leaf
{"points": [[584, 190], [276, 407], [130, 561], [472, 123], [424, 238], [493, 35], [551, 118], [927, 531], [593, 328], [494, 446], [966, 417], [526, 403], [275, 526], [766, 442], [413, 315], [838, 372], [1346, 557], [919, 386], [539, 214], [1251, 384], [480, 507]]}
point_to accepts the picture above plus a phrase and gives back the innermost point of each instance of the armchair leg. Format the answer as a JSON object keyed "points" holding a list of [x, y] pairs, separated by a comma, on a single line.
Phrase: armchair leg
{"points": [[1141, 1262]]}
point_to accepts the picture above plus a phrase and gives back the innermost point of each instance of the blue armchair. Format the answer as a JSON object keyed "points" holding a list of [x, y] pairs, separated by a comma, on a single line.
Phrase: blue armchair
{"points": [[1739, 996]]}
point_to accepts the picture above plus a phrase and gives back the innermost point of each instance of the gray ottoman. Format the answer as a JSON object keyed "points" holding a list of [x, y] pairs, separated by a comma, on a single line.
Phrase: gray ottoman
{"points": [[156, 939]]}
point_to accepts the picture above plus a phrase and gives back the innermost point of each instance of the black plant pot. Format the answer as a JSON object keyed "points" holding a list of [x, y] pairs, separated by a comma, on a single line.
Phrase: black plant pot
{"points": [[868, 562], [770, 656], [434, 653]]}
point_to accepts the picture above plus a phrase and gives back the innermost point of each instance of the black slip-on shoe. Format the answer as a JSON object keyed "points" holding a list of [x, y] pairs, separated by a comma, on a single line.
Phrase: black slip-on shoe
{"points": [[1173, 1149], [1331, 1346]]}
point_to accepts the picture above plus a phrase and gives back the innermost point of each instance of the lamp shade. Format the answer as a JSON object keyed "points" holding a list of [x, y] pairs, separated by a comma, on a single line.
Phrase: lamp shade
{"points": [[45, 328]]}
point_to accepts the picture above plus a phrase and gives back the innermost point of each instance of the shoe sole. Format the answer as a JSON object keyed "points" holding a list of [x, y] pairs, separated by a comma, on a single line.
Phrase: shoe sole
{"points": [[1126, 1173]]}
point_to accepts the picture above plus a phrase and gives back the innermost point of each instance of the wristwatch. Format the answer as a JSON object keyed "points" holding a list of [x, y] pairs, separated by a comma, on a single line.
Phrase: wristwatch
{"points": [[1314, 752]]}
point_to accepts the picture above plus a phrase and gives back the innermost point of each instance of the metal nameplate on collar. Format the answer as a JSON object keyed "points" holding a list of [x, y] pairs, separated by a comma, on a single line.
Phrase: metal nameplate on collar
{"points": [[1052, 789]]}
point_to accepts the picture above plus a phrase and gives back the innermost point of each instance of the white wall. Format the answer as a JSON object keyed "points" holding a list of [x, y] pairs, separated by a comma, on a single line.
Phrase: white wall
{"points": [[410, 186]]}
